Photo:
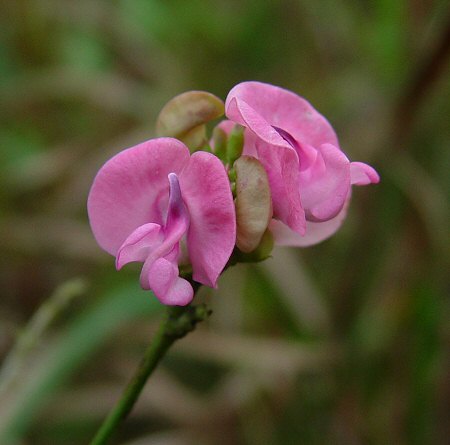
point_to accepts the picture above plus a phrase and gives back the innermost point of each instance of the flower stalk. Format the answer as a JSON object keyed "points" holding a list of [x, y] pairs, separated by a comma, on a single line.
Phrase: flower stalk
{"points": [[179, 321]]}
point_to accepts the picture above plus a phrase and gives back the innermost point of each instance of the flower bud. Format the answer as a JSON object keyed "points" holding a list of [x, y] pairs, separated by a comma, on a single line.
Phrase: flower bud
{"points": [[184, 117], [253, 203]]}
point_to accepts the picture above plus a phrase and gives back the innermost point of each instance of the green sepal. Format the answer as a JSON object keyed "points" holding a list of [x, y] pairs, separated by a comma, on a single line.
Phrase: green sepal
{"points": [[261, 253], [220, 143], [235, 144]]}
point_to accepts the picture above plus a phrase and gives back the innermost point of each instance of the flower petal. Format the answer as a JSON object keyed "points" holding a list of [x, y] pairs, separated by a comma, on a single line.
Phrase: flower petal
{"points": [[242, 113], [282, 108], [166, 243], [363, 174], [325, 186], [177, 215], [212, 230], [167, 286], [282, 169], [131, 189], [316, 232], [279, 159], [139, 244]]}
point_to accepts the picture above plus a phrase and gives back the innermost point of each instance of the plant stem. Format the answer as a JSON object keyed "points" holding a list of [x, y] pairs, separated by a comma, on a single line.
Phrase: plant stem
{"points": [[178, 322]]}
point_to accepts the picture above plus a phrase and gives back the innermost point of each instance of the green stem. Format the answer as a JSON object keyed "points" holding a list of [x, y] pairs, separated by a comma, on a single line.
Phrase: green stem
{"points": [[178, 322]]}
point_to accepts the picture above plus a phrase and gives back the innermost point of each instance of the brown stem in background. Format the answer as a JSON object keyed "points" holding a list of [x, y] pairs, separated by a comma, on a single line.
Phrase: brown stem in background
{"points": [[426, 75], [404, 113]]}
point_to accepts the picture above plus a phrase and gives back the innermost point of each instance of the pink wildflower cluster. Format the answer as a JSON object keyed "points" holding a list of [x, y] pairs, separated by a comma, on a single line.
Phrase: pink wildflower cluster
{"points": [[158, 204]]}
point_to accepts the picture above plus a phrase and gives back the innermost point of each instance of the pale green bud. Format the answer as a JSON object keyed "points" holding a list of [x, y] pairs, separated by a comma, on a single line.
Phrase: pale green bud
{"points": [[253, 203], [184, 117]]}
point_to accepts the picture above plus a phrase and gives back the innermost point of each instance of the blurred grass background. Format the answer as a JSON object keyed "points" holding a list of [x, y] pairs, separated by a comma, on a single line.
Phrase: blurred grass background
{"points": [[343, 343]]}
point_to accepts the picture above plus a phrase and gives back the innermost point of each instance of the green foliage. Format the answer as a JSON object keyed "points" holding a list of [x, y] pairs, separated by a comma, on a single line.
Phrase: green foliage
{"points": [[73, 346]]}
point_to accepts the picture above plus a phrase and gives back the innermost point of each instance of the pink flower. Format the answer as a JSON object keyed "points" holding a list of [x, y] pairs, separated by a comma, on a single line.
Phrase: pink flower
{"points": [[155, 203], [310, 177]]}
